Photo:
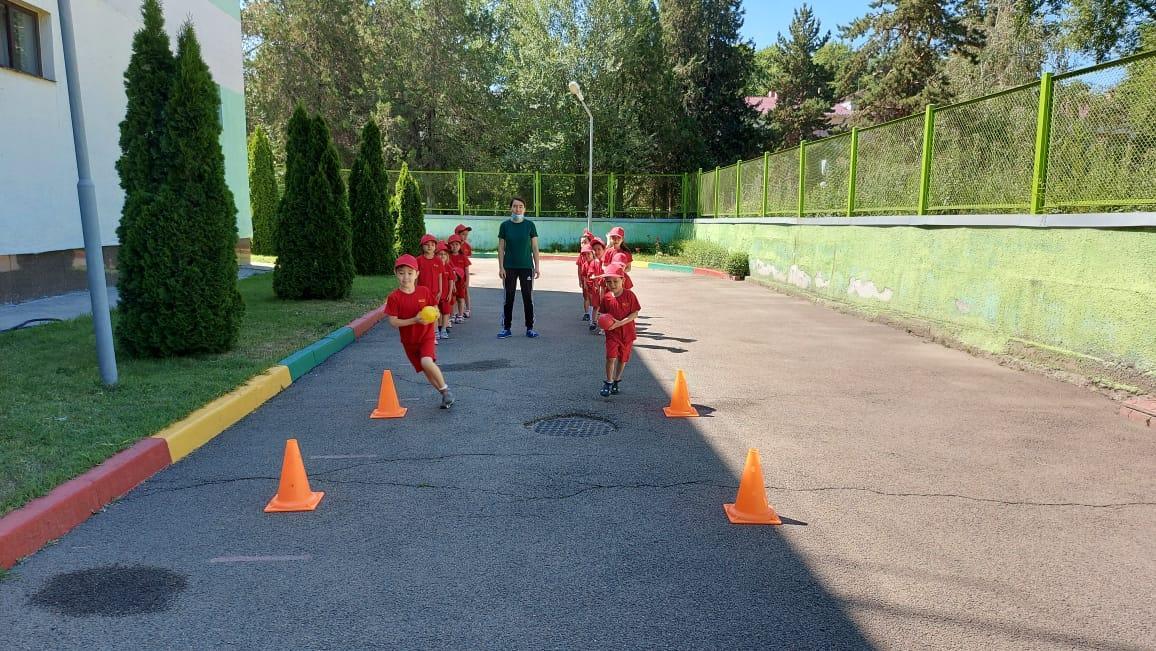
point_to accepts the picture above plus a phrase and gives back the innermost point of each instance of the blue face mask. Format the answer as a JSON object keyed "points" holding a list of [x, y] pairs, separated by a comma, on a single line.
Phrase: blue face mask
{"points": [[517, 218]]}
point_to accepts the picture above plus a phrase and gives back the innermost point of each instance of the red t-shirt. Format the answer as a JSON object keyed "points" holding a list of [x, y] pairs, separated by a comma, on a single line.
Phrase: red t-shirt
{"points": [[620, 307], [429, 274], [449, 275], [460, 260], [592, 268], [467, 249], [406, 306]]}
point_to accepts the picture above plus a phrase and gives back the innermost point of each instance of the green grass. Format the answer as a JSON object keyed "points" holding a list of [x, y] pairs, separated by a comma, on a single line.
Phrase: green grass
{"points": [[57, 420]]}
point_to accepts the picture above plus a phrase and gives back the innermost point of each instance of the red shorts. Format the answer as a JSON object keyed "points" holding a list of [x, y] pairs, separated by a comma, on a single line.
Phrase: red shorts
{"points": [[425, 348], [463, 291], [618, 346], [446, 307]]}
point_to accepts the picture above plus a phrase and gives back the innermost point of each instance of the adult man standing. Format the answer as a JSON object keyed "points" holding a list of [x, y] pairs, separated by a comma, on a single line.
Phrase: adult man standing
{"points": [[518, 262]]}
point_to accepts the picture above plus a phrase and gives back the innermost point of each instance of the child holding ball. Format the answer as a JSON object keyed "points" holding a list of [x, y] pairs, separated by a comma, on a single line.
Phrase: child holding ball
{"points": [[417, 335]]}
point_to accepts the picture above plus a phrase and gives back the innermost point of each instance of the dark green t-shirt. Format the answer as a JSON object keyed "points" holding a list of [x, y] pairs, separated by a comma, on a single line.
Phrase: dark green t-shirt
{"points": [[519, 254]]}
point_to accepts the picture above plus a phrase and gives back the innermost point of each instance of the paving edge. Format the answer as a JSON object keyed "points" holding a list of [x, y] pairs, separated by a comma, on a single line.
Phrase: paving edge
{"points": [[1140, 409], [29, 528]]}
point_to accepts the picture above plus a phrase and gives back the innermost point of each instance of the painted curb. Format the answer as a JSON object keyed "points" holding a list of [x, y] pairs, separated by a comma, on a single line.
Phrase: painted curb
{"points": [[1140, 409], [27, 529], [713, 273], [204, 424], [679, 268]]}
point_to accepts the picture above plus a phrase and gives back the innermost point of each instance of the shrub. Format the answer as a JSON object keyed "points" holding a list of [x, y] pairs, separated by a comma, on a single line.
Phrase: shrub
{"points": [[737, 265], [701, 253], [409, 214], [189, 288], [369, 207], [262, 193]]}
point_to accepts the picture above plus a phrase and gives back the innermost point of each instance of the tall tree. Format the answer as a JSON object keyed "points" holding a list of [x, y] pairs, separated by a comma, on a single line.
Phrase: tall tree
{"points": [[902, 56], [369, 207], [263, 193], [1103, 28], [407, 209], [803, 85], [148, 81], [1015, 47], [191, 296], [711, 65]]}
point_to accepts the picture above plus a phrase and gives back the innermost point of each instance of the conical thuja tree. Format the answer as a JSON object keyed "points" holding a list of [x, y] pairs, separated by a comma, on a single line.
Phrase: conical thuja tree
{"points": [[331, 222], [193, 304], [141, 167], [408, 213], [262, 193], [314, 234], [369, 207]]}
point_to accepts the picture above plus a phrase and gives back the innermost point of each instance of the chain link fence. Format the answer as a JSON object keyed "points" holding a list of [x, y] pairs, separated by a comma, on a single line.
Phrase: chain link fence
{"points": [[783, 182], [889, 156], [751, 188], [1102, 152], [827, 170]]}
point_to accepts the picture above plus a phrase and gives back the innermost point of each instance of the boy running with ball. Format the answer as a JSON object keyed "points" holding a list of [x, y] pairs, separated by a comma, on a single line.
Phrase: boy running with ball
{"points": [[403, 307], [618, 307]]}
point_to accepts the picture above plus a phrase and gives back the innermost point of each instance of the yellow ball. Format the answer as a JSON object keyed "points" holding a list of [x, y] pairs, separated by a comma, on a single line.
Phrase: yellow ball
{"points": [[428, 314]]}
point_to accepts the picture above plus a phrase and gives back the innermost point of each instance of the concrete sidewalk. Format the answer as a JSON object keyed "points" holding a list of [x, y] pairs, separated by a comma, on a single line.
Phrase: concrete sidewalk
{"points": [[74, 304], [935, 500]]}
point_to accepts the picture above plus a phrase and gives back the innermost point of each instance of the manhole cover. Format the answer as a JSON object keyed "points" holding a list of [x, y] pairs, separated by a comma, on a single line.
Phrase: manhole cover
{"points": [[572, 425], [480, 365], [113, 591]]}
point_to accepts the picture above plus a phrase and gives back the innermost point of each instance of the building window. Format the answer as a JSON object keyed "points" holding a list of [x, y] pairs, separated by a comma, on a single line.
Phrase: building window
{"points": [[19, 39]]}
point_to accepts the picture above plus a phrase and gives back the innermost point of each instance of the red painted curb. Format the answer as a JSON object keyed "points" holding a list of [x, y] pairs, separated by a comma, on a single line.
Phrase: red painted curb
{"points": [[365, 322], [713, 273], [27, 529]]}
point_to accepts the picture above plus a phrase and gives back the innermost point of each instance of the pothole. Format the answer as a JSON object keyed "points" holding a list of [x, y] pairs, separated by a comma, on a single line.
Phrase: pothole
{"points": [[574, 425], [113, 591]]}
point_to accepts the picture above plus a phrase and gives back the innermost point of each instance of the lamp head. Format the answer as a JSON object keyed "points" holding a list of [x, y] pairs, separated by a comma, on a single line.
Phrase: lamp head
{"points": [[576, 90]]}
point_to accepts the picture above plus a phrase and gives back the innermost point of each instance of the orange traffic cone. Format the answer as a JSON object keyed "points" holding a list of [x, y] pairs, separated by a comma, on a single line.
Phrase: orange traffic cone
{"points": [[680, 406], [751, 505], [387, 404], [294, 493]]}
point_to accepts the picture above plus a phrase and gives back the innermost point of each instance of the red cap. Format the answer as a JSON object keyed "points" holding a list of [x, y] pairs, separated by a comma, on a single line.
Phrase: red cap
{"points": [[428, 238], [617, 231], [406, 260], [586, 248], [587, 233], [598, 242], [619, 257], [613, 270], [454, 238], [442, 246], [462, 227]]}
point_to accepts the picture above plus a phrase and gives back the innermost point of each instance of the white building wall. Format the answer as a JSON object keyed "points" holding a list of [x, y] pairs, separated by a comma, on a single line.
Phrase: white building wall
{"points": [[38, 201]]}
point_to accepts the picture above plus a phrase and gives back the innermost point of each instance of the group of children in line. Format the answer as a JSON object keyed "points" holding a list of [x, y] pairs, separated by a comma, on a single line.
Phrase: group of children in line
{"points": [[440, 278], [607, 300]]}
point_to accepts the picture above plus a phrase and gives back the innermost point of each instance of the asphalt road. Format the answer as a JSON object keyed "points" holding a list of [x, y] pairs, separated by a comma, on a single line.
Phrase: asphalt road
{"points": [[934, 500]]}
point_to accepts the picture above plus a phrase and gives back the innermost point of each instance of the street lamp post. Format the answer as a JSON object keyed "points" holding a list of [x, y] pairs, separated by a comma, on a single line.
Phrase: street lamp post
{"points": [[576, 90]]}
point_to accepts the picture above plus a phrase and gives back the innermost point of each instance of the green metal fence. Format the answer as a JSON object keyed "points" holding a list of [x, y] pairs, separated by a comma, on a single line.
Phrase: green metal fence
{"points": [[1082, 140]]}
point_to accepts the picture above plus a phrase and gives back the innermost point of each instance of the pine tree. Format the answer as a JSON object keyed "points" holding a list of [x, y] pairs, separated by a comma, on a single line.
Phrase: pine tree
{"points": [[262, 193], [803, 85], [141, 167], [314, 249], [369, 207], [902, 58], [193, 305], [407, 209], [711, 64]]}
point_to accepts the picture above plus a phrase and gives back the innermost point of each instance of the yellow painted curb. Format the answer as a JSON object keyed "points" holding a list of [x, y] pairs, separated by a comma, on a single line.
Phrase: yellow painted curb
{"points": [[641, 264], [205, 423]]}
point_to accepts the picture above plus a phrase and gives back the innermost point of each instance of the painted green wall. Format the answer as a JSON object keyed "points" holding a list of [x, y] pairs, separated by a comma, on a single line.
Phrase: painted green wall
{"points": [[1087, 291], [235, 147], [556, 230]]}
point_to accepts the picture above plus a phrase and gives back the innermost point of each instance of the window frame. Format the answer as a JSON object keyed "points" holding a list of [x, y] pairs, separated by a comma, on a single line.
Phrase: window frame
{"points": [[13, 8]]}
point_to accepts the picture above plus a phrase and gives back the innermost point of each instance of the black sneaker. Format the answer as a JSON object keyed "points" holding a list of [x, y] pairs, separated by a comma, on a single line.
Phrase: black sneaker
{"points": [[585, 316], [614, 388], [593, 327], [605, 391]]}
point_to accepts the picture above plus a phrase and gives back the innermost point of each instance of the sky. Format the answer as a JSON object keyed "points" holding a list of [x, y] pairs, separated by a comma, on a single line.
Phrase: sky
{"points": [[766, 18]]}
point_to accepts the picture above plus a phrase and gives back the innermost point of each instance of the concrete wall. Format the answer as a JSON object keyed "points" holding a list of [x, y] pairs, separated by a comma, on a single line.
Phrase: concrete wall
{"points": [[561, 231], [39, 210], [1080, 292]]}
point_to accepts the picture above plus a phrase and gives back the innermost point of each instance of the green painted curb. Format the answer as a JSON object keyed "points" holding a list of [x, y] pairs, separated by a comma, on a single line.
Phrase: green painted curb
{"points": [[345, 335], [670, 267], [299, 363]]}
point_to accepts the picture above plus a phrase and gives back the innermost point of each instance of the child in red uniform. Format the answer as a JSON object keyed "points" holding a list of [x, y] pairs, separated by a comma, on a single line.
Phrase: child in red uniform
{"points": [[417, 338], [616, 245], [622, 304], [461, 262], [463, 232], [596, 269], [446, 302], [585, 257], [429, 272]]}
